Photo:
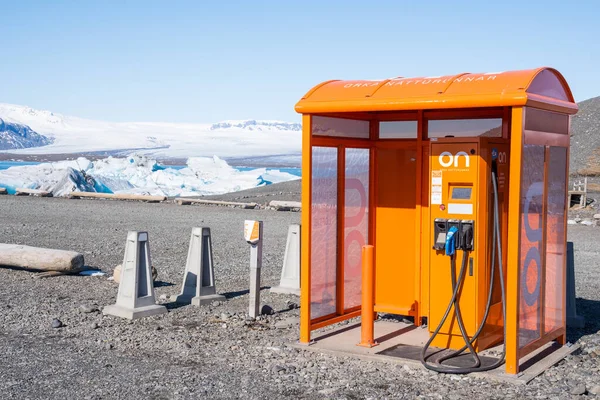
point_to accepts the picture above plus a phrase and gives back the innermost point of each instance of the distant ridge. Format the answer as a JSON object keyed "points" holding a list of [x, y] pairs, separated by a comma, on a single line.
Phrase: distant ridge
{"points": [[258, 125]]}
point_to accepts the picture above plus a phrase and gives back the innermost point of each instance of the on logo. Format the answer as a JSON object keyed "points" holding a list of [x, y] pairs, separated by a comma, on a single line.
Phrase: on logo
{"points": [[453, 159]]}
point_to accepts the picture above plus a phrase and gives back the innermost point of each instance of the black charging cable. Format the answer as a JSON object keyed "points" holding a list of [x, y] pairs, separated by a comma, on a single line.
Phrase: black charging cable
{"points": [[456, 284]]}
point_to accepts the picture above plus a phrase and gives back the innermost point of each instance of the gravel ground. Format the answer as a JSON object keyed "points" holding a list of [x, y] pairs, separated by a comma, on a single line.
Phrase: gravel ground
{"points": [[211, 351]]}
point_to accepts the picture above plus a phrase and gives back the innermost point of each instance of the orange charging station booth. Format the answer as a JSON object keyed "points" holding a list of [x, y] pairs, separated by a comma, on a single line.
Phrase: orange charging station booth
{"points": [[459, 184]]}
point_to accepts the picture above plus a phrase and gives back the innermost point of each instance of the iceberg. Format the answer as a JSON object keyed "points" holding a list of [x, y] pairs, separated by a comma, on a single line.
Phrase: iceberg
{"points": [[139, 174]]}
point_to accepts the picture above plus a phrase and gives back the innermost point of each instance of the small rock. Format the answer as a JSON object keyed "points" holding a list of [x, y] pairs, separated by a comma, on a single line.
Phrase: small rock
{"points": [[596, 216], [328, 391], [224, 316], [57, 323], [163, 297], [278, 368], [95, 325], [117, 274], [86, 308], [216, 303], [571, 222], [577, 219], [291, 305], [267, 310], [286, 323], [587, 222], [578, 389], [108, 346], [595, 389]]}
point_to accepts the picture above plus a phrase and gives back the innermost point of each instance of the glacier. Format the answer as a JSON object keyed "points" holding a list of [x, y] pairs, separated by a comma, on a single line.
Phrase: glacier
{"points": [[227, 139], [138, 174]]}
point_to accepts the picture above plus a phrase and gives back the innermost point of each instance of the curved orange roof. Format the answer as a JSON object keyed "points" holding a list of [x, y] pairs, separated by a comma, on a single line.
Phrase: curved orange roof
{"points": [[543, 87]]}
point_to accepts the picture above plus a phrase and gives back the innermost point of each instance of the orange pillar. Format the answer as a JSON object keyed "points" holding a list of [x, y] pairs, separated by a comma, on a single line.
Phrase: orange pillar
{"points": [[514, 224], [305, 264], [367, 325]]}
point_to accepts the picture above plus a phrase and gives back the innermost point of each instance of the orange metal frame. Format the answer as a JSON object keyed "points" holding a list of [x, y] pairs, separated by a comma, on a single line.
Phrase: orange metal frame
{"points": [[374, 107]]}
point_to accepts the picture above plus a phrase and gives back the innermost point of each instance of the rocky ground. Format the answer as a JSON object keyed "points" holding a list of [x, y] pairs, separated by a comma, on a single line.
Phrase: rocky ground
{"points": [[212, 351], [588, 215]]}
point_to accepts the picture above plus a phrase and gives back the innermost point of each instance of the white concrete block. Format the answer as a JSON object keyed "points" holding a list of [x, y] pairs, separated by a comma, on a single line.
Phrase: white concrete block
{"points": [[135, 298], [290, 273], [199, 278]]}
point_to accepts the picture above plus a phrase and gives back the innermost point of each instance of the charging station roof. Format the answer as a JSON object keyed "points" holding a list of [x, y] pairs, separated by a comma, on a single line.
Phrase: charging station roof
{"points": [[543, 87]]}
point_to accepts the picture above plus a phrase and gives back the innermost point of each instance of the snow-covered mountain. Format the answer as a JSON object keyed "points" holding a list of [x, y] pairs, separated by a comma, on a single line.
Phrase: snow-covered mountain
{"points": [[254, 125], [225, 139], [18, 136]]}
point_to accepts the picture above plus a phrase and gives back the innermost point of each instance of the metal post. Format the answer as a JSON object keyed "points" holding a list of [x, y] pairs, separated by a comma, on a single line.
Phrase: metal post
{"points": [[367, 325], [255, 266]]}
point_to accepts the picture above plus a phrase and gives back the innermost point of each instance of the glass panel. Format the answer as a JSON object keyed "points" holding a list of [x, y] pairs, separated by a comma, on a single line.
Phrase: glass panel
{"points": [[398, 130], [547, 84], [556, 251], [490, 127], [530, 267], [356, 222], [546, 121], [323, 232], [340, 127]]}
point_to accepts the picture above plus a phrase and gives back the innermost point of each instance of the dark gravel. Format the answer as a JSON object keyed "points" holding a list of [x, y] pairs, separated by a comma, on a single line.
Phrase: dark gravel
{"points": [[212, 351]]}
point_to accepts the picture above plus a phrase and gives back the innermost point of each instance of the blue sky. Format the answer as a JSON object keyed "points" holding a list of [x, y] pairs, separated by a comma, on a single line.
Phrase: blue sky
{"points": [[205, 61]]}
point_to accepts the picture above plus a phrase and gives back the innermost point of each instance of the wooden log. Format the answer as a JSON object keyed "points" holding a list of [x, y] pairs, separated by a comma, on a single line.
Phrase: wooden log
{"points": [[285, 205], [3, 191], [32, 192], [117, 196], [184, 201], [14, 255]]}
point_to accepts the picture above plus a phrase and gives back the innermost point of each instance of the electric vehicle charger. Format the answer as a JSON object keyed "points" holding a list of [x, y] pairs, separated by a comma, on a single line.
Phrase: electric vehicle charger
{"points": [[462, 243]]}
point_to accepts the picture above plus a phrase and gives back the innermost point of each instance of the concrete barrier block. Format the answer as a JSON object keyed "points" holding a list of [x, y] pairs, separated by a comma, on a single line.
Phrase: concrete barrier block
{"points": [[135, 298], [573, 320], [290, 273], [199, 278]]}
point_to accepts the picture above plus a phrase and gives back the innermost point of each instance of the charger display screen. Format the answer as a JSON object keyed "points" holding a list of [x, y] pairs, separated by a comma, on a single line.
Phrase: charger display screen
{"points": [[461, 193]]}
